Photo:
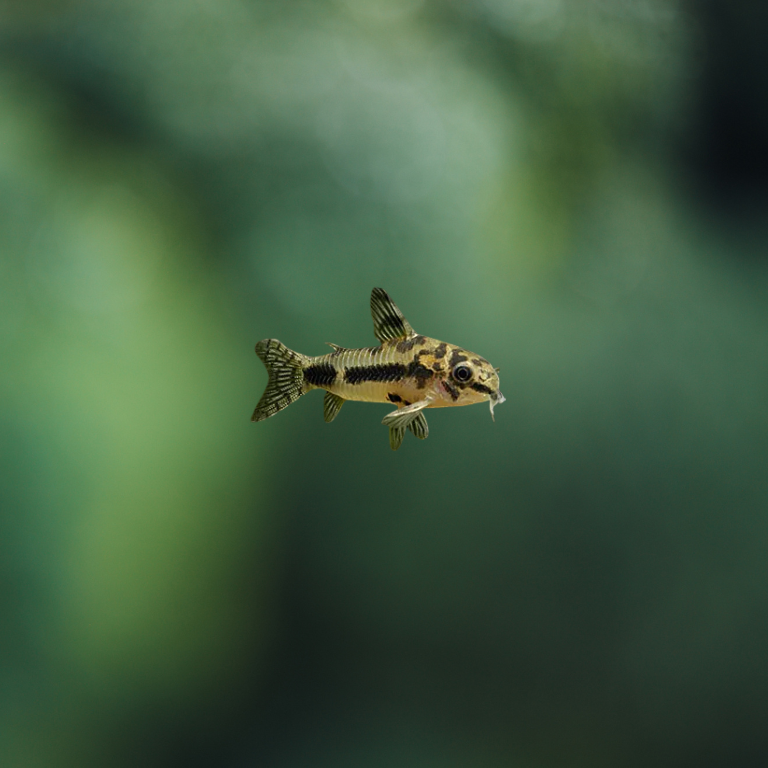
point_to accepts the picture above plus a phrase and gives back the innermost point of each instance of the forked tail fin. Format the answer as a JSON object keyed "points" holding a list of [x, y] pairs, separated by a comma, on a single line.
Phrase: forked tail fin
{"points": [[286, 378]]}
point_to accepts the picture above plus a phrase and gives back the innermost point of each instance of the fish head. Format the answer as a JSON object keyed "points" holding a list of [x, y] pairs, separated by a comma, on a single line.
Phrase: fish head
{"points": [[467, 378]]}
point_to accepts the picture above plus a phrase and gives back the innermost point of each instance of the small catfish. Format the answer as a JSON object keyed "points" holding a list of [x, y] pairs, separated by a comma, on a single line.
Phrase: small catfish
{"points": [[411, 371]]}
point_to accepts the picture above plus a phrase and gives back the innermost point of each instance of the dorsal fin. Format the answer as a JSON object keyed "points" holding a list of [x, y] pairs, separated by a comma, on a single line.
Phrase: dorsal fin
{"points": [[388, 320], [335, 347]]}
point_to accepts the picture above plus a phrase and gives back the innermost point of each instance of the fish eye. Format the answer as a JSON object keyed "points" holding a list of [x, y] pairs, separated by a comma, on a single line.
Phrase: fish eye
{"points": [[462, 373]]}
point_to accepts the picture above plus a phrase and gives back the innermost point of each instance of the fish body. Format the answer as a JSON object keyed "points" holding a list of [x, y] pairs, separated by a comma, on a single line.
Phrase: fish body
{"points": [[401, 372], [411, 371]]}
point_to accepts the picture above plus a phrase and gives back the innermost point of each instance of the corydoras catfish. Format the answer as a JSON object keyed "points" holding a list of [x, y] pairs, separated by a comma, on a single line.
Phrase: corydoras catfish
{"points": [[411, 371]]}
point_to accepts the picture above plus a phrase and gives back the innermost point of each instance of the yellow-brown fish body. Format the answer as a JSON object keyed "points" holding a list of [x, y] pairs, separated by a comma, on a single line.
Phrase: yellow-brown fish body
{"points": [[404, 372], [411, 371]]}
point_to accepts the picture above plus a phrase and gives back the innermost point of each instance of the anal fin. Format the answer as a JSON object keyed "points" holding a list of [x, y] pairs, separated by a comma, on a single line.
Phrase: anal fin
{"points": [[331, 406]]}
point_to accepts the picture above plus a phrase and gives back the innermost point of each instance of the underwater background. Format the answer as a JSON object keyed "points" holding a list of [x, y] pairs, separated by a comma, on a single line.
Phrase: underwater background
{"points": [[577, 191]]}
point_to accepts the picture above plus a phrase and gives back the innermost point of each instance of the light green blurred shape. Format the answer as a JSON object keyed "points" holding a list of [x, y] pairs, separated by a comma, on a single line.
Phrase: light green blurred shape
{"points": [[120, 365]]}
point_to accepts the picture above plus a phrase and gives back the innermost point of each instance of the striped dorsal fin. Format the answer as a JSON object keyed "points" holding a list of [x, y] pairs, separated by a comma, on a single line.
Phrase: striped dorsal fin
{"points": [[388, 320]]}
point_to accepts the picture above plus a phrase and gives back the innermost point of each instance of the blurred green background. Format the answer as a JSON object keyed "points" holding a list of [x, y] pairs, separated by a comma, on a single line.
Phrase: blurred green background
{"points": [[575, 190]]}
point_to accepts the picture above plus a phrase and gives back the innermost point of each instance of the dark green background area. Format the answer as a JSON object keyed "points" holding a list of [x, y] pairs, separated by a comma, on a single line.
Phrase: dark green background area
{"points": [[577, 191]]}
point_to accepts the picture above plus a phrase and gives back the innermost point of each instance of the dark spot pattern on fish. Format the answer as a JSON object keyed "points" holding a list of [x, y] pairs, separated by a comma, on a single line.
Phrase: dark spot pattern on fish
{"points": [[482, 388], [394, 398], [321, 375], [457, 358], [452, 391], [359, 374], [437, 367], [406, 345], [440, 350], [420, 372], [480, 361]]}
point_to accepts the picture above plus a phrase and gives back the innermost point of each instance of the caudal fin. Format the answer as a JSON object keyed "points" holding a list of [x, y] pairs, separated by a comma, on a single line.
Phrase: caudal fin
{"points": [[286, 378]]}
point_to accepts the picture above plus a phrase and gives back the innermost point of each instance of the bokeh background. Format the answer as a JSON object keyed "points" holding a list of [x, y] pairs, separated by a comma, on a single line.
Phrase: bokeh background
{"points": [[575, 190]]}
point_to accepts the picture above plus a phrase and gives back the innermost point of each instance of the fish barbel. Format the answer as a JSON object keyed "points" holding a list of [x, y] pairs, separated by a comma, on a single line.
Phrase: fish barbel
{"points": [[408, 370]]}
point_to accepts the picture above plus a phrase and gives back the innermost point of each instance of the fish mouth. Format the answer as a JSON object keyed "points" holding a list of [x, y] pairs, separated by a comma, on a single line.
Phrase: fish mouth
{"points": [[495, 399]]}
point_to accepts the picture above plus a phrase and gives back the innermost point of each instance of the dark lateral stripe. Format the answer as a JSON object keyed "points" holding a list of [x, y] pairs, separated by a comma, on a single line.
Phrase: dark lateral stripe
{"points": [[320, 375], [482, 388], [361, 373]]}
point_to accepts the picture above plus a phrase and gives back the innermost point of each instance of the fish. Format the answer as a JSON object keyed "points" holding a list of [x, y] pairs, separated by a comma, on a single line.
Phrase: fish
{"points": [[411, 371]]}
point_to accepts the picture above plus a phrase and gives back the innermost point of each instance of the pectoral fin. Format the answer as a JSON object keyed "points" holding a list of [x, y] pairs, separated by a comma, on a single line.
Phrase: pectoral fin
{"points": [[402, 417], [388, 320], [396, 435], [331, 406], [419, 426]]}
